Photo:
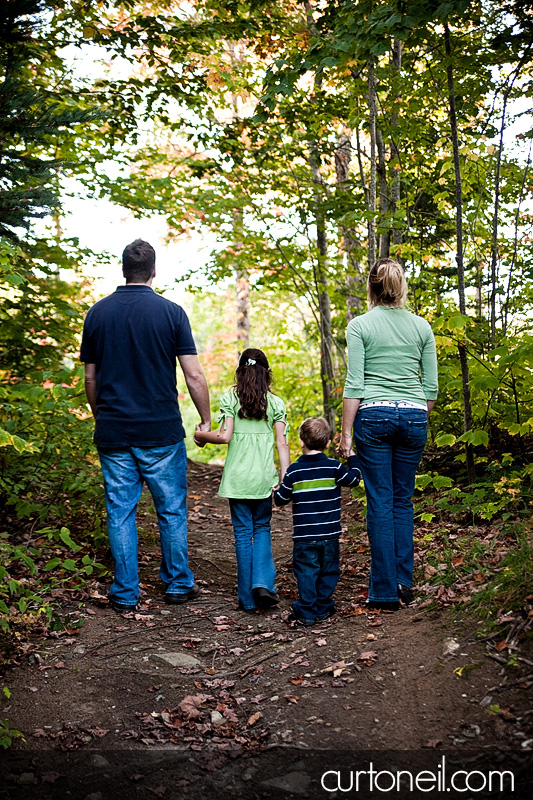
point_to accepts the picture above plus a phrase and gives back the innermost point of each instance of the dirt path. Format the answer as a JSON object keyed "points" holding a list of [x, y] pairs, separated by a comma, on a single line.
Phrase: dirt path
{"points": [[203, 700]]}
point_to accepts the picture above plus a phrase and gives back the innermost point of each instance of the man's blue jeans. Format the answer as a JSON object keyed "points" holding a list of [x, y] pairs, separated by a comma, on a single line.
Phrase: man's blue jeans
{"points": [[315, 563], [390, 442], [253, 548], [164, 470]]}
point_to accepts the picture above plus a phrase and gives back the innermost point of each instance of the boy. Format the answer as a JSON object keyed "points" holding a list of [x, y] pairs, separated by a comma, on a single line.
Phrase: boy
{"points": [[313, 484]]}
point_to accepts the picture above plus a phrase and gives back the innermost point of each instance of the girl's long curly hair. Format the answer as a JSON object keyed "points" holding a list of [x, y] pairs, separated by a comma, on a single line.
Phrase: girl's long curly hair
{"points": [[253, 377]]}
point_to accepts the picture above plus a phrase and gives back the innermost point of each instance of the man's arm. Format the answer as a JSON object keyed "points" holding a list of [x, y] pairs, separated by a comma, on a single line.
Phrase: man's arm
{"points": [[90, 386], [197, 386]]}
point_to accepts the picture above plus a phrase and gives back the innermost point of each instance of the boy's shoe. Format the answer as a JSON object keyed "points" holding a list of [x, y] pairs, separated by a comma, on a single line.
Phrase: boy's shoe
{"points": [[300, 620], [405, 593], [383, 605], [264, 598], [177, 598], [327, 615]]}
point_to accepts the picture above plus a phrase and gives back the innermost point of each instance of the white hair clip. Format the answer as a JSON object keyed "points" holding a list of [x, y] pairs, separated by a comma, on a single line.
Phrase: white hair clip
{"points": [[250, 362]]}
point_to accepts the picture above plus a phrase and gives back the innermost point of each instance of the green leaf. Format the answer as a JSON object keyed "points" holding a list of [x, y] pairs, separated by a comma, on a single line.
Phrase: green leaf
{"points": [[64, 534], [444, 439], [68, 563], [52, 564]]}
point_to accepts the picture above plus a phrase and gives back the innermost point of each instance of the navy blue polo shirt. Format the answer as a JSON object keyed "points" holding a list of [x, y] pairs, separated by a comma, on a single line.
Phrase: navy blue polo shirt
{"points": [[133, 336]]}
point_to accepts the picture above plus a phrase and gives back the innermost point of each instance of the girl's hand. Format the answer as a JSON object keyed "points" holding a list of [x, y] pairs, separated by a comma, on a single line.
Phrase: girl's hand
{"points": [[198, 442]]}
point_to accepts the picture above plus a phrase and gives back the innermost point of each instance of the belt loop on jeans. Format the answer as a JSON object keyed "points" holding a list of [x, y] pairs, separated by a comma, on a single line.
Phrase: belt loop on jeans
{"points": [[393, 404]]}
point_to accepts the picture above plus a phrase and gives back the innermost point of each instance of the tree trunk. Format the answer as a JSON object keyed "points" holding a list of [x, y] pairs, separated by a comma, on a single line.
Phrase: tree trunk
{"points": [[372, 109], [327, 367], [465, 372], [381, 169], [350, 243], [395, 187]]}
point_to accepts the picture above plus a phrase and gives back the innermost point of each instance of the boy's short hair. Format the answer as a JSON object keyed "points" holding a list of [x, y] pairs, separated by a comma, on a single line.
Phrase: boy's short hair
{"points": [[315, 433]]}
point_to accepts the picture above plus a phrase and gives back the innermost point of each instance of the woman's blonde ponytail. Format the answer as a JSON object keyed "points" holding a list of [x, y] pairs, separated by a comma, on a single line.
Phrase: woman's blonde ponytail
{"points": [[386, 284]]}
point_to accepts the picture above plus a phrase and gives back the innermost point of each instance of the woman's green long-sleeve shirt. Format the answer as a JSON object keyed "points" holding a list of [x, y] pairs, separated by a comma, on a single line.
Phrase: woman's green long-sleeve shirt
{"points": [[391, 356]]}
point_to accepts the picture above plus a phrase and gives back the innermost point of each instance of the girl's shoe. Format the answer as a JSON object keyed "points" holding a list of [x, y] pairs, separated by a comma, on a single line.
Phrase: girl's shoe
{"points": [[405, 593], [247, 610], [383, 605], [264, 598]]}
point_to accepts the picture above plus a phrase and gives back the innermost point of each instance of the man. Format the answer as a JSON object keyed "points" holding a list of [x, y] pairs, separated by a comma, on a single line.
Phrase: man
{"points": [[130, 343]]}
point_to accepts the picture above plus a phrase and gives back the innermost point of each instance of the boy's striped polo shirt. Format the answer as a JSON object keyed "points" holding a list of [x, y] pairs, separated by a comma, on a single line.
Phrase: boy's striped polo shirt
{"points": [[313, 485]]}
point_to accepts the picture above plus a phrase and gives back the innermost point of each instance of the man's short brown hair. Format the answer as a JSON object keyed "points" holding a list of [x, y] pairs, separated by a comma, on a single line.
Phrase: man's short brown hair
{"points": [[138, 261], [315, 433]]}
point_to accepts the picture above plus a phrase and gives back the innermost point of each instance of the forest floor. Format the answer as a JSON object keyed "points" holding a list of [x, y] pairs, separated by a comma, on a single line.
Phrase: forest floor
{"points": [[203, 700]]}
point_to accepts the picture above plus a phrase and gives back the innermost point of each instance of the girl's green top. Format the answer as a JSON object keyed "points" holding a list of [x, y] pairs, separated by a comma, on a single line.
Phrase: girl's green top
{"points": [[250, 472], [391, 356]]}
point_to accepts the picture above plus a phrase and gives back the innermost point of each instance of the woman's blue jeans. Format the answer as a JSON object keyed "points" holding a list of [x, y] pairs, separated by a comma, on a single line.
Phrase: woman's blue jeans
{"points": [[164, 470], [253, 548], [390, 442]]}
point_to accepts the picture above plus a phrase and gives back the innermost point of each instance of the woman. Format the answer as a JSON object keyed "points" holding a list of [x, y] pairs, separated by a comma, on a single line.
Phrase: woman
{"points": [[389, 393]]}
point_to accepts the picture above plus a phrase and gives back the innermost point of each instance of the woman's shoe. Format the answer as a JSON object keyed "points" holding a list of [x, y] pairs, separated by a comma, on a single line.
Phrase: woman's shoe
{"points": [[383, 605], [405, 593], [264, 598]]}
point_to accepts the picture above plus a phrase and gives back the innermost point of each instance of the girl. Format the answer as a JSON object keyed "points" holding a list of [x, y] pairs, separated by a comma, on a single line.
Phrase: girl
{"points": [[248, 412]]}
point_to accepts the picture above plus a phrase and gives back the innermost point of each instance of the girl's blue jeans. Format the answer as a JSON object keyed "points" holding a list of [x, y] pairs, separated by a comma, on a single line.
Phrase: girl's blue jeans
{"points": [[253, 548], [164, 470], [390, 442]]}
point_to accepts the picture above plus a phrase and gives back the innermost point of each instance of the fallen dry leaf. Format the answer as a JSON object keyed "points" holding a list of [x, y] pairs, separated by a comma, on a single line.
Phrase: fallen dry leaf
{"points": [[191, 704], [433, 743], [253, 719], [368, 655], [321, 642]]}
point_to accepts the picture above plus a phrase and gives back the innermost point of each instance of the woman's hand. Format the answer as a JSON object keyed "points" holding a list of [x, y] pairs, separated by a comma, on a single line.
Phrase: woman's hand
{"points": [[345, 445]]}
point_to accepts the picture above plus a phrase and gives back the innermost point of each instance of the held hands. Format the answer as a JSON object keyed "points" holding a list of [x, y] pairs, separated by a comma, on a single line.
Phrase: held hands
{"points": [[202, 426]]}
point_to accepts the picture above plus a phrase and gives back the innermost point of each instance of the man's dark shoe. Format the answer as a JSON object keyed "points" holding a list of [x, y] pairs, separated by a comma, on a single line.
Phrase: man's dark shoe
{"points": [[177, 598], [264, 598], [292, 618], [405, 593], [121, 608], [383, 605]]}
